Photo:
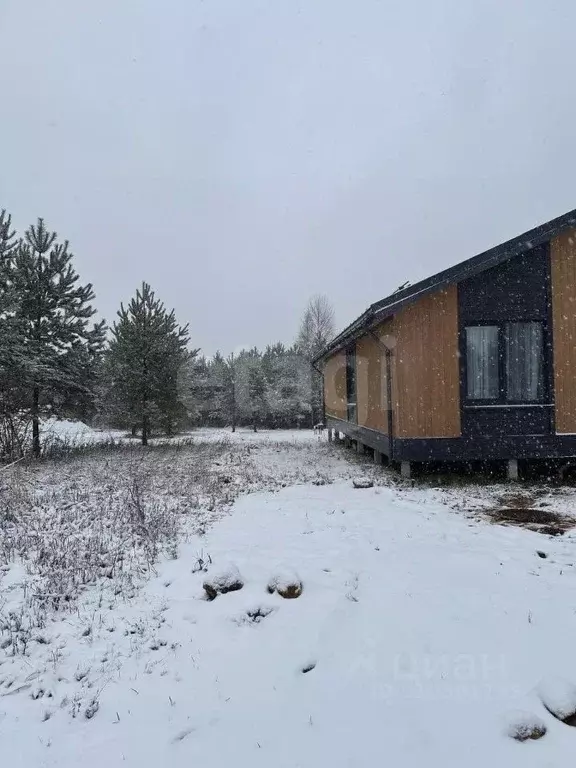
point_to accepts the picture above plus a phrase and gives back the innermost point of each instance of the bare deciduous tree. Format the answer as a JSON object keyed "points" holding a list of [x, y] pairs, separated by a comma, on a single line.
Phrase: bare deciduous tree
{"points": [[316, 330], [316, 327]]}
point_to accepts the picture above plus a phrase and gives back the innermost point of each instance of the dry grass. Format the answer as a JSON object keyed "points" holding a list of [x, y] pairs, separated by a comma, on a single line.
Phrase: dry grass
{"points": [[99, 518], [101, 515]]}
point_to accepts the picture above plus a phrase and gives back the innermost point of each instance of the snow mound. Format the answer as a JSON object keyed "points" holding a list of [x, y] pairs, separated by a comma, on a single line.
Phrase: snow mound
{"points": [[64, 429], [522, 726], [362, 482], [226, 580], [559, 698], [286, 582]]}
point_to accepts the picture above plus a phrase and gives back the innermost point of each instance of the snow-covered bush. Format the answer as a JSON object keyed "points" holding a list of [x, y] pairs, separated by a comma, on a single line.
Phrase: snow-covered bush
{"points": [[228, 579], [286, 582], [522, 726], [362, 482]]}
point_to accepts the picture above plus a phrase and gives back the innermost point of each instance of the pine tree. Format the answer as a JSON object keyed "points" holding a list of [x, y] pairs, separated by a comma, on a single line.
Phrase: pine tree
{"points": [[227, 397], [8, 335], [193, 389], [51, 320], [288, 380], [257, 391], [251, 388], [269, 389], [220, 400], [144, 361], [11, 346]]}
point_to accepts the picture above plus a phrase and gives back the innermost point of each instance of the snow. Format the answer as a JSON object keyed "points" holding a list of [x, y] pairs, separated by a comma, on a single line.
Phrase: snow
{"points": [[419, 635], [74, 433], [64, 428], [262, 436], [558, 695]]}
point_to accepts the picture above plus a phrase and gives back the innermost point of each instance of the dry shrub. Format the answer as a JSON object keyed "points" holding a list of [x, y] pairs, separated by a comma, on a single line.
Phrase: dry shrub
{"points": [[102, 517]]}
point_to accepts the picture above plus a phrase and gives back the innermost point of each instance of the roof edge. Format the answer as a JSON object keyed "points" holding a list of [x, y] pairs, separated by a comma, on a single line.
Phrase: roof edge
{"points": [[388, 306]]}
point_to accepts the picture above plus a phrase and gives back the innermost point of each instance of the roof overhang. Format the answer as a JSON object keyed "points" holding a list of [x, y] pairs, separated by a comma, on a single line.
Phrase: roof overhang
{"points": [[389, 306]]}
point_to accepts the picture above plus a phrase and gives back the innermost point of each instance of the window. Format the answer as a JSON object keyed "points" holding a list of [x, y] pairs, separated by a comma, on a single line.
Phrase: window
{"points": [[524, 347], [482, 362], [505, 364], [351, 384]]}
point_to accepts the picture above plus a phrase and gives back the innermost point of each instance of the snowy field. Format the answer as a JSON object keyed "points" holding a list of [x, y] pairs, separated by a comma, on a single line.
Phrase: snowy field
{"points": [[425, 634]]}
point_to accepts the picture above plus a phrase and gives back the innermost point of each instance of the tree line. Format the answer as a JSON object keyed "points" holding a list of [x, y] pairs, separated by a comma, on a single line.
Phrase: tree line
{"points": [[139, 374]]}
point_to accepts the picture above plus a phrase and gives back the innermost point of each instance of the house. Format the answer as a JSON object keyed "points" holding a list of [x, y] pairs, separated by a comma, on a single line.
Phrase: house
{"points": [[477, 362]]}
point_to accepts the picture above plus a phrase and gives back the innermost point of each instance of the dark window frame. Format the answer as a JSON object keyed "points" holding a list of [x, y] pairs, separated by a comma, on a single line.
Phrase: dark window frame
{"points": [[502, 399]]}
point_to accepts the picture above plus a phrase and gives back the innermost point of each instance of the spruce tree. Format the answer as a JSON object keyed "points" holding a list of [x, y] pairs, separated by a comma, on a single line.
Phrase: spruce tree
{"points": [[144, 360], [52, 321]]}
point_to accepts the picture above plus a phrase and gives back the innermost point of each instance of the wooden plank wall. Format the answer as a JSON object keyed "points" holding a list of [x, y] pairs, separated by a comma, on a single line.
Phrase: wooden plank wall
{"points": [[371, 384], [563, 273], [426, 371], [335, 385]]}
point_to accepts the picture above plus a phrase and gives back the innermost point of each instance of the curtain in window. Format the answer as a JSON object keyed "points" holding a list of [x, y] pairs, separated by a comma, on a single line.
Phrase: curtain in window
{"points": [[482, 362], [524, 348]]}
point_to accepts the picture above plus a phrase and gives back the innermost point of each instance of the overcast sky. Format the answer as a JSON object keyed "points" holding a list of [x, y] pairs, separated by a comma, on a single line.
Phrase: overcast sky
{"points": [[240, 155]]}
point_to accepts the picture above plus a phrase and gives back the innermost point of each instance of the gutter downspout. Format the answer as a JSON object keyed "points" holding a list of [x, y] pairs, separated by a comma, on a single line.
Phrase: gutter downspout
{"points": [[388, 354]]}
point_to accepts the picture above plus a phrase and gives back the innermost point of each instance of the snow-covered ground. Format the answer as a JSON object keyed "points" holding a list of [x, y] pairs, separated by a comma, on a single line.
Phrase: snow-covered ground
{"points": [[423, 635], [72, 431], [266, 436]]}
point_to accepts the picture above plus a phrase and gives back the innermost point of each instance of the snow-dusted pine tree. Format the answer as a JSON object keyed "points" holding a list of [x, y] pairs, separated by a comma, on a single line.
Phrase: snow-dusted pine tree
{"points": [[146, 353], [222, 384], [257, 393], [288, 377], [8, 336], [194, 388], [11, 346], [52, 321], [251, 388], [229, 397]]}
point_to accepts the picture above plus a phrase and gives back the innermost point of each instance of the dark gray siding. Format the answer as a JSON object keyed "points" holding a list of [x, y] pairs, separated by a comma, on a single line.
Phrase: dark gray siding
{"points": [[517, 290]]}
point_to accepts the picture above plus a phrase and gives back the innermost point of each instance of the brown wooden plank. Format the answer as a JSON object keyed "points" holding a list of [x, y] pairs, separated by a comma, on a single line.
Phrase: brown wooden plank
{"points": [[369, 367], [427, 390], [425, 371], [563, 273], [335, 385]]}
